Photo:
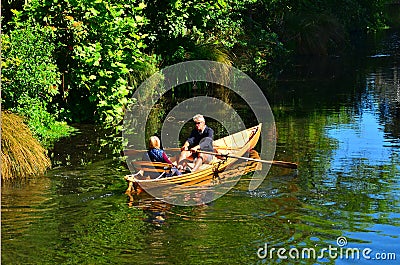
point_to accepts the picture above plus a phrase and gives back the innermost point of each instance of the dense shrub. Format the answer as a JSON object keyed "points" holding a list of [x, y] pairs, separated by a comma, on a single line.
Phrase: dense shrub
{"points": [[100, 54], [222, 30], [30, 80]]}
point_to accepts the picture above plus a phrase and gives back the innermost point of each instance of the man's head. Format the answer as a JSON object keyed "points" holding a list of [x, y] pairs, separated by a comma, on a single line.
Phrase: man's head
{"points": [[199, 122]]}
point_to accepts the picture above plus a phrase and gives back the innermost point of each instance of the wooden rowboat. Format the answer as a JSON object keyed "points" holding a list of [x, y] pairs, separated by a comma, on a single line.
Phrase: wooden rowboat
{"points": [[236, 144], [229, 177]]}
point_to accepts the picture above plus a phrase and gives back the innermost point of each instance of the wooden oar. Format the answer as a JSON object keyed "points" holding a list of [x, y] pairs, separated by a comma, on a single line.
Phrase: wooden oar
{"points": [[134, 151], [172, 149], [273, 162]]}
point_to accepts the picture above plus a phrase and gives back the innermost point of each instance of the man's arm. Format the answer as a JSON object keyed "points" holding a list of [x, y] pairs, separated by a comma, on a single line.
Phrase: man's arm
{"points": [[191, 139], [209, 133], [185, 147]]}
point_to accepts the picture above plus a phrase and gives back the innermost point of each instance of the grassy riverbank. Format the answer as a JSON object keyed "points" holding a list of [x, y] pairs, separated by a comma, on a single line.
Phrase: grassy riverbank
{"points": [[21, 154]]}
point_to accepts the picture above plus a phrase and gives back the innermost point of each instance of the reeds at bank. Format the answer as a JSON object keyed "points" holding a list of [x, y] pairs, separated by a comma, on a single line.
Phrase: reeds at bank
{"points": [[21, 154]]}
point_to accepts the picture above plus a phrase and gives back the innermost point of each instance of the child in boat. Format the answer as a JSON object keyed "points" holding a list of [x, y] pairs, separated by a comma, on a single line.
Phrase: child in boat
{"points": [[156, 154]]}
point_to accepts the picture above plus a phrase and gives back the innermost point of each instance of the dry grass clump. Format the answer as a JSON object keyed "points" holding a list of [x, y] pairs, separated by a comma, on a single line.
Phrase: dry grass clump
{"points": [[21, 154]]}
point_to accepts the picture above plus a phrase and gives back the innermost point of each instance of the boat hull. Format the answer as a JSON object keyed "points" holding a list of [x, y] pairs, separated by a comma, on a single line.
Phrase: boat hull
{"points": [[237, 144]]}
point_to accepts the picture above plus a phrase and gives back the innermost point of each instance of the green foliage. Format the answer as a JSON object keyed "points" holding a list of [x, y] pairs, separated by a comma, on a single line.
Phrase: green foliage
{"points": [[30, 80], [100, 53], [314, 33], [356, 15], [261, 53], [28, 69], [223, 31], [177, 28], [392, 13], [43, 124], [322, 27]]}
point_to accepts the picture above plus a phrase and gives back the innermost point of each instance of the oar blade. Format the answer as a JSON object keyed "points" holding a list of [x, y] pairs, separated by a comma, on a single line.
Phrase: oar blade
{"points": [[285, 164]]}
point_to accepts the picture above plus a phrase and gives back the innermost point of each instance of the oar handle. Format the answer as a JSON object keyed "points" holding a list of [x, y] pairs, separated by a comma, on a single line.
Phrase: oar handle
{"points": [[136, 151], [273, 162], [172, 149]]}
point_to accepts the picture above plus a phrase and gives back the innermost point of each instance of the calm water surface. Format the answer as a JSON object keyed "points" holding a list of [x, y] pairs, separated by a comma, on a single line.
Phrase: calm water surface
{"points": [[338, 118]]}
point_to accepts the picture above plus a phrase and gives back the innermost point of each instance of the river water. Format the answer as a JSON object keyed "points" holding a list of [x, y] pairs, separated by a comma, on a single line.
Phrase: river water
{"points": [[338, 117]]}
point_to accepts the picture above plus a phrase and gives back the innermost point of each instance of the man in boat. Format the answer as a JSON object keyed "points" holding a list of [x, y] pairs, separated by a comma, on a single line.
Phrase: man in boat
{"points": [[200, 138]]}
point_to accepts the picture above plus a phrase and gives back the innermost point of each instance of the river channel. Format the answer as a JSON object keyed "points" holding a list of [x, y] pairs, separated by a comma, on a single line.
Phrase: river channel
{"points": [[337, 117]]}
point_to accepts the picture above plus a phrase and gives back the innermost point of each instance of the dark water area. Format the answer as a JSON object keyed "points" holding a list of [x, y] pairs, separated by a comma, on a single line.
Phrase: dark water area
{"points": [[337, 117]]}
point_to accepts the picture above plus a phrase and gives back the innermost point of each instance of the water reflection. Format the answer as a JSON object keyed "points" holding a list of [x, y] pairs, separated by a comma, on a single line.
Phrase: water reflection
{"points": [[21, 204], [362, 140], [387, 92]]}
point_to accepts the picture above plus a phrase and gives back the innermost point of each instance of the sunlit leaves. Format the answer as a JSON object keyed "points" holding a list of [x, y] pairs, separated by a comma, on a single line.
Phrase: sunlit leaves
{"points": [[30, 79], [105, 54]]}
